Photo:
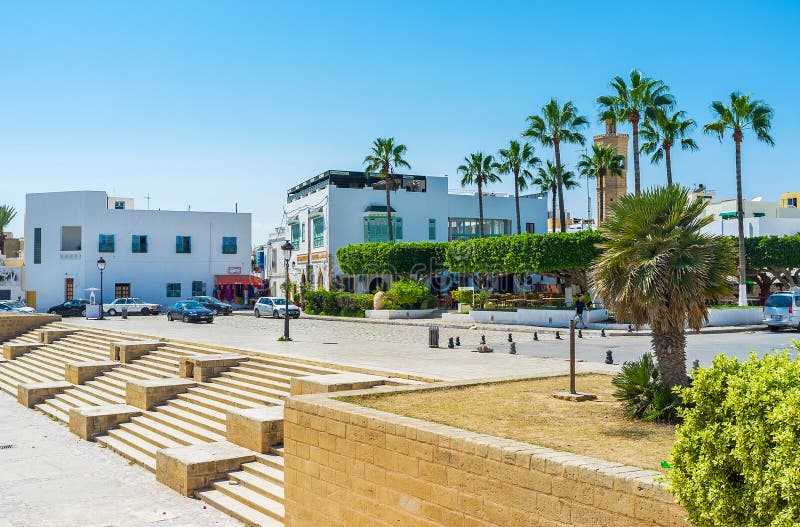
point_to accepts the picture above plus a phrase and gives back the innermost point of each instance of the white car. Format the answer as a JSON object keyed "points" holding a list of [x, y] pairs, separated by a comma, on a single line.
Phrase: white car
{"points": [[133, 305], [275, 307], [15, 306]]}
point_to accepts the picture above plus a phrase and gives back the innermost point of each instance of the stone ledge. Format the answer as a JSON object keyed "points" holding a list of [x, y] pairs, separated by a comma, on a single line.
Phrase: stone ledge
{"points": [[336, 382], [203, 367], [31, 394], [48, 336], [12, 351], [255, 428], [128, 351], [88, 422], [80, 372], [148, 393], [185, 469]]}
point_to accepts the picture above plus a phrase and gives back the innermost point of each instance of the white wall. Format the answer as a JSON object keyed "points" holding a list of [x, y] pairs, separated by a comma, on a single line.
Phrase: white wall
{"points": [[755, 227], [147, 273]]}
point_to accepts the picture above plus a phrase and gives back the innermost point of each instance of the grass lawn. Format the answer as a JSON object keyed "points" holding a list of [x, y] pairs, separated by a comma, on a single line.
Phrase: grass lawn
{"points": [[527, 411]]}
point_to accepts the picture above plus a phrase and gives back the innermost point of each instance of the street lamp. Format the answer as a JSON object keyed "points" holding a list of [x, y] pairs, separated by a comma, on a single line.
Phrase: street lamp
{"points": [[287, 255], [101, 265]]}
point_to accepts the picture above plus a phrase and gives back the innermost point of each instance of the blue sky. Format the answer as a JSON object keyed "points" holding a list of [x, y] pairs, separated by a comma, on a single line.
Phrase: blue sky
{"points": [[212, 103]]}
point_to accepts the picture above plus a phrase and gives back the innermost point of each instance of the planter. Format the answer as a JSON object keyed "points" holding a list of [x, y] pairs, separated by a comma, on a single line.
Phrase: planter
{"points": [[557, 318], [398, 313], [456, 317], [734, 317]]}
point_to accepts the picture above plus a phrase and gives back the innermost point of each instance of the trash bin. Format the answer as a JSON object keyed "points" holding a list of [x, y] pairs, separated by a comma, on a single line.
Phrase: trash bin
{"points": [[433, 336], [124, 312]]}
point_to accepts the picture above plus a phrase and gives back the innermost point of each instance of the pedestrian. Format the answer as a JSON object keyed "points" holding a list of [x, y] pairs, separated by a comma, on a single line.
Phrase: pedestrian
{"points": [[580, 306]]}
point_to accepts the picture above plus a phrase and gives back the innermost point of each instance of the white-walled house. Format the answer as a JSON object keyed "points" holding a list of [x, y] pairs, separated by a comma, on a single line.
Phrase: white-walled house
{"points": [[338, 208], [161, 256]]}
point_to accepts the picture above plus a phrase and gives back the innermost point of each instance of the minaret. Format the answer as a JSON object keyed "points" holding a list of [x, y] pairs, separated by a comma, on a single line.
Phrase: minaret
{"points": [[615, 187]]}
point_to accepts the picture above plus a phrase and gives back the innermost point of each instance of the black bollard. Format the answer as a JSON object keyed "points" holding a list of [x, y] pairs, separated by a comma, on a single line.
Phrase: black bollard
{"points": [[510, 338], [513, 349], [603, 332], [558, 335], [580, 334], [630, 328], [535, 336], [450, 344], [483, 339], [609, 358], [458, 341]]}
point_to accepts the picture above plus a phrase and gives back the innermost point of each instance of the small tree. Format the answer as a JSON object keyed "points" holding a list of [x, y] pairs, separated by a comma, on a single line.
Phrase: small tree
{"points": [[604, 162], [478, 169], [516, 160], [384, 157], [663, 132]]}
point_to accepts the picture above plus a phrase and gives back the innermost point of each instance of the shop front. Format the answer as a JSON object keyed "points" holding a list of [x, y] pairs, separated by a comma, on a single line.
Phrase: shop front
{"points": [[238, 290]]}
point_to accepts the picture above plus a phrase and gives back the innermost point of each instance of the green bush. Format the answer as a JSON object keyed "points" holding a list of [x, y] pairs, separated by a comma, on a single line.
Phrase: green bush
{"points": [[735, 461], [336, 304], [407, 294], [396, 259], [464, 297], [643, 395]]}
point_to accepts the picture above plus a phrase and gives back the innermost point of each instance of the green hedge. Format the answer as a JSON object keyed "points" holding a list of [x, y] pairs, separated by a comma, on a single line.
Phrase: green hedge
{"points": [[407, 259], [772, 252], [336, 304]]}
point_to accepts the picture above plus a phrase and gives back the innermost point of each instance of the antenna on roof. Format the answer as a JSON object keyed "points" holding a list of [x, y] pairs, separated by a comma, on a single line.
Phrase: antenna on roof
{"points": [[148, 200]]}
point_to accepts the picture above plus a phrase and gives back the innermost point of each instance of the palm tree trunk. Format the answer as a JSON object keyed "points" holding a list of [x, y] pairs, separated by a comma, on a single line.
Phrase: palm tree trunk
{"points": [[480, 209], [2, 240], [516, 199], [554, 192], [669, 345], [601, 206], [740, 221], [637, 175], [562, 216], [668, 160]]}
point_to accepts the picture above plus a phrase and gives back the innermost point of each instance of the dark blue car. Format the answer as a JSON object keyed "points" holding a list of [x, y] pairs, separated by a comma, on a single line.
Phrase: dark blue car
{"points": [[190, 311]]}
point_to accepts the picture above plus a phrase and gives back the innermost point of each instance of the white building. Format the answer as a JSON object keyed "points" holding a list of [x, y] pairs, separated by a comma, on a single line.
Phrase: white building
{"points": [[761, 218], [338, 208], [161, 256]]}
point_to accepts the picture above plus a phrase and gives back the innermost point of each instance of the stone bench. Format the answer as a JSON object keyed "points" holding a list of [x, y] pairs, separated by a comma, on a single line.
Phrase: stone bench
{"points": [[255, 428], [88, 422], [336, 382], [203, 367], [147, 393], [188, 468], [31, 394], [48, 336], [128, 351], [12, 351], [80, 372]]}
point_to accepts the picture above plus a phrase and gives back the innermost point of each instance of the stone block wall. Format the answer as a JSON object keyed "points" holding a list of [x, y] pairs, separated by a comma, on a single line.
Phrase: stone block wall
{"points": [[15, 324], [346, 465]]}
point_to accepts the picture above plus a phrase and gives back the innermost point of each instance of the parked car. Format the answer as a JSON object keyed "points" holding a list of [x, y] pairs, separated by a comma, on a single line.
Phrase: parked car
{"points": [[17, 306], [209, 302], [270, 305], [189, 311], [133, 305], [70, 308], [782, 310]]}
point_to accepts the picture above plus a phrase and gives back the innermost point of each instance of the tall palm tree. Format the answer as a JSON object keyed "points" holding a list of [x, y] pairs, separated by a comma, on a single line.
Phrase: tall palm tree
{"points": [[516, 159], [663, 132], [478, 169], [658, 268], [742, 114], [7, 214], [604, 162], [384, 157], [632, 103], [547, 180], [557, 124]]}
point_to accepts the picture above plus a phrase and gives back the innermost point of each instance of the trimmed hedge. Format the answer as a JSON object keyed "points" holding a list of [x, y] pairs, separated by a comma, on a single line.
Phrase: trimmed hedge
{"points": [[337, 304], [772, 252], [397, 259]]}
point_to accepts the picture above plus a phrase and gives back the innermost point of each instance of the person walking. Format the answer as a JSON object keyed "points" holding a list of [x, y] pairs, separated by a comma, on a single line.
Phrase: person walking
{"points": [[580, 306]]}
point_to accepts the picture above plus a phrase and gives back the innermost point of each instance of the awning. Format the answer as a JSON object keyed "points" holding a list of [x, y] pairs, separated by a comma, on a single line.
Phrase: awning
{"points": [[238, 279]]}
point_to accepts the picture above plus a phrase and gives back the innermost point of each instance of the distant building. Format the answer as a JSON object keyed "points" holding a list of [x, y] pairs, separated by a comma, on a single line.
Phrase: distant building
{"points": [[161, 256], [613, 187], [761, 218], [12, 277], [790, 200]]}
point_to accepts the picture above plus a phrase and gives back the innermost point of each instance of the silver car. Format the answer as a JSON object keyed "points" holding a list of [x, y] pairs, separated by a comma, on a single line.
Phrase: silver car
{"points": [[274, 307], [782, 310]]}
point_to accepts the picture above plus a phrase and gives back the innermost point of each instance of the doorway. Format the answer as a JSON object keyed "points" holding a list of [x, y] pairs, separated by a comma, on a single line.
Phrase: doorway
{"points": [[69, 288], [122, 290]]}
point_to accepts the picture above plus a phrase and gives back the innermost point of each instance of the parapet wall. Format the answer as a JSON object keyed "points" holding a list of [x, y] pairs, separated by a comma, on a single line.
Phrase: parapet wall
{"points": [[346, 465], [15, 324]]}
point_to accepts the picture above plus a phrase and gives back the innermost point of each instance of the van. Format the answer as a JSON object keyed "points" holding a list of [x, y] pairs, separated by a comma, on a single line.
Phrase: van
{"points": [[782, 310]]}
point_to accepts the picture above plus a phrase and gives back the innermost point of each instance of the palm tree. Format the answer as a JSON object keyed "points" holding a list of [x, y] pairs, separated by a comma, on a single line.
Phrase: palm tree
{"points": [[515, 160], [556, 125], [662, 132], [743, 114], [7, 214], [547, 180], [604, 162], [658, 268], [385, 155], [478, 170], [632, 103]]}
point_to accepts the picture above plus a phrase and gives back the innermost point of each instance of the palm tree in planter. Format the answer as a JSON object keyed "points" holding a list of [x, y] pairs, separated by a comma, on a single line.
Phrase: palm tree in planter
{"points": [[546, 179], [604, 162], [557, 124], [658, 268], [515, 160], [742, 114], [7, 215], [663, 132], [384, 157], [478, 169]]}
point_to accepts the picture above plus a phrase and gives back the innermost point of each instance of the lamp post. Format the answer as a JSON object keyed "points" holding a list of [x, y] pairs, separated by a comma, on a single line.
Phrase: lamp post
{"points": [[101, 265], [287, 255]]}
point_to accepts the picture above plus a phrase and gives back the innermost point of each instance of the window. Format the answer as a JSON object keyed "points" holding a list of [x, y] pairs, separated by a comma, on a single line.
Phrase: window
{"points": [[302, 232], [119, 205], [295, 227], [173, 290], [106, 244], [70, 238], [432, 229], [37, 245], [69, 288], [376, 228], [467, 228], [122, 290], [228, 245], [791, 202], [318, 228], [198, 288], [530, 228], [138, 243], [183, 244]]}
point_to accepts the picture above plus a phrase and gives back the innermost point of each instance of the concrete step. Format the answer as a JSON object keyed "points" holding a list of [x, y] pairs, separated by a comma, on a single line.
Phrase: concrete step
{"points": [[157, 438], [271, 460], [265, 472], [258, 484], [109, 388], [251, 499], [235, 382], [127, 451], [191, 404], [58, 406], [31, 370], [73, 399], [164, 418], [245, 393], [199, 398], [99, 393], [24, 375], [137, 443], [292, 368], [53, 412], [186, 413], [253, 380], [229, 398], [233, 507]]}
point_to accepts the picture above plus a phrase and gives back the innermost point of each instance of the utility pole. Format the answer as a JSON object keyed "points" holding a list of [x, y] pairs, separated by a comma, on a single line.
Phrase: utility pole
{"points": [[148, 200]]}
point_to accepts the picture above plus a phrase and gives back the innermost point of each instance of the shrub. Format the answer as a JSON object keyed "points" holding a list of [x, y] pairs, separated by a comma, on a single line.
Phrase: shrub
{"points": [[643, 395], [336, 304], [407, 294], [736, 457], [464, 297]]}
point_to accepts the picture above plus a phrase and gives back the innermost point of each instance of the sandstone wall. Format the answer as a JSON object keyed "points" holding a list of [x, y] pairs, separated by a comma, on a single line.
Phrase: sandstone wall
{"points": [[15, 324]]}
